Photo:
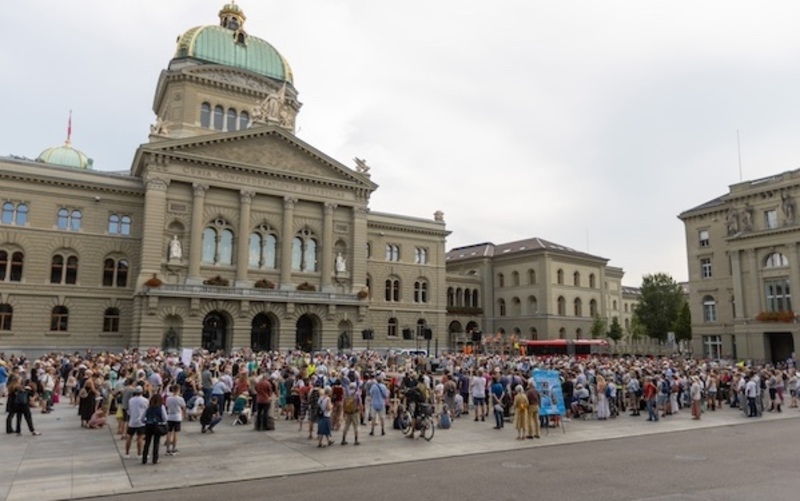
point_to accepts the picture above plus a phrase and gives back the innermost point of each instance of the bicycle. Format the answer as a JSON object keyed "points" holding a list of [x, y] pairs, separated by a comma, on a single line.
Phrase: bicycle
{"points": [[425, 423]]}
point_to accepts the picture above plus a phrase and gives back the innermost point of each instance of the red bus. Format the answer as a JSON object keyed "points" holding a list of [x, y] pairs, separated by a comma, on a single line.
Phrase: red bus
{"points": [[581, 348]]}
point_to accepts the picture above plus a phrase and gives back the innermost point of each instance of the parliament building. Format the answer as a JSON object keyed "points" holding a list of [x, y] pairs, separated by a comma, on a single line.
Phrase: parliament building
{"points": [[229, 231]]}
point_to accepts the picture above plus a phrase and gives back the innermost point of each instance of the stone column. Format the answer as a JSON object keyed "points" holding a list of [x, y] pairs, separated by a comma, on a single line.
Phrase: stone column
{"points": [[196, 242], [794, 270], [738, 294], [753, 302], [358, 267], [243, 240], [155, 208], [327, 246], [287, 234]]}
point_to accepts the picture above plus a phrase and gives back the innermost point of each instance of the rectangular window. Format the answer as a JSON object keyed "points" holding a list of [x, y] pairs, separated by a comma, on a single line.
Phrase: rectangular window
{"points": [[703, 238], [705, 267], [712, 347], [771, 219], [778, 297]]}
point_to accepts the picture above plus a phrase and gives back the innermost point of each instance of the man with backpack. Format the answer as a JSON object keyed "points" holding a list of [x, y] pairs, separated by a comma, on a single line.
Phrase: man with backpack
{"points": [[351, 407]]}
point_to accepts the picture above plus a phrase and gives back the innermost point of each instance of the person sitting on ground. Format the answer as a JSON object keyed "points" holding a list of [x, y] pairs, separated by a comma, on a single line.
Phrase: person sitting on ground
{"points": [[195, 407], [98, 419], [445, 420], [580, 401]]}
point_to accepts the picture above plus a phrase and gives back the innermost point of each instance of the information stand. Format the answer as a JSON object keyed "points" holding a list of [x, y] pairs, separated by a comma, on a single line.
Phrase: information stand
{"points": [[552, 405]]}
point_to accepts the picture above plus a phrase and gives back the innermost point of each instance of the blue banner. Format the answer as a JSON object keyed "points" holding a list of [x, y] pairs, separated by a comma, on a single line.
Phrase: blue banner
{"points": [[548, 383]]}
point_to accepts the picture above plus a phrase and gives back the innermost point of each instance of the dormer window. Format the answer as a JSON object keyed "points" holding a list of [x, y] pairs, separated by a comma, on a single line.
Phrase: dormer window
{"points": [[240, 38]]}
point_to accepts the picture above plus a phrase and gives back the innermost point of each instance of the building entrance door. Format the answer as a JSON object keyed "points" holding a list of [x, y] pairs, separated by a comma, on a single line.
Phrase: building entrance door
{"points": [[780, 346], [215, 332], [261, 333], [305, 334]]}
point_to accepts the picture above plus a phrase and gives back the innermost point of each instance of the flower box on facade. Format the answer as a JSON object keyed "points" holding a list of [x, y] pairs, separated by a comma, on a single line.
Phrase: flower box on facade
{"points": [[776, 316], [305, 286], [264, 284], [218, 281], [154, 281]]}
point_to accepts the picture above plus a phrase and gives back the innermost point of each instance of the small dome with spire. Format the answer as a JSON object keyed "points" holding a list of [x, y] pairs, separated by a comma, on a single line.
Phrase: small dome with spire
{"points": [[65, 156]]}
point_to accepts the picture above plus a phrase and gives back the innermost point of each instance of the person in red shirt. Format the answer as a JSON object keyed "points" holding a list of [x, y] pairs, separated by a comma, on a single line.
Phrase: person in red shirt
{"points": [[649, 394], [263, 400]]}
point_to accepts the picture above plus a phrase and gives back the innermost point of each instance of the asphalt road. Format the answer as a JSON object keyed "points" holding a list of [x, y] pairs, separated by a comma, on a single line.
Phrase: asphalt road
{"points": [[750, 462]]}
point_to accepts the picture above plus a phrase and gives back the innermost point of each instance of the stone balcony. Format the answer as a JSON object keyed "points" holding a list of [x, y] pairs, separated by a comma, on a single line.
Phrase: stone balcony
{"points": [[252, 294]]}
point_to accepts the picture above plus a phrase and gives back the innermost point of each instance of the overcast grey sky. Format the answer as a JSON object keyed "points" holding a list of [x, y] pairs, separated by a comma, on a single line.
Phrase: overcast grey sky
{"points": [[591, 124]]}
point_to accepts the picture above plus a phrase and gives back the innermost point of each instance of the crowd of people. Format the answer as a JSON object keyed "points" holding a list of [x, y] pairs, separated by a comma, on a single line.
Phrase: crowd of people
{"points": [[150, 393]]}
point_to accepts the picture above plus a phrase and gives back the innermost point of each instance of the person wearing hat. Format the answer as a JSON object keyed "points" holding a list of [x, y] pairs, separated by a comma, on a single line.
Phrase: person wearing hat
{"points": [[351, 407]]}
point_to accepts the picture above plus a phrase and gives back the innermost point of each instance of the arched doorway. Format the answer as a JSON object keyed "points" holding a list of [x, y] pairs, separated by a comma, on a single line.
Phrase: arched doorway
{"points": [[215, 332], [304, 338], [261, 333], [454, 337], [343, 342]]}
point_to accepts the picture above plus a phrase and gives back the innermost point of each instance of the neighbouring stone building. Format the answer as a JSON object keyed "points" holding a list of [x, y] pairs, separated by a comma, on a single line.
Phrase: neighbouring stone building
{"points": [[530, 289], [742, 251], [230, 231]]}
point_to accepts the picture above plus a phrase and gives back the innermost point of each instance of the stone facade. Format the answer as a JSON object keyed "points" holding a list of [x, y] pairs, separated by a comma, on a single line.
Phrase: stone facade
{"points": [[743, 262]]}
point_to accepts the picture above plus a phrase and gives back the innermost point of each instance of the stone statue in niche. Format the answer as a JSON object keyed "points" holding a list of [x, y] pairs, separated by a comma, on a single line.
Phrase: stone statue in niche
{"points": [[732, 221], [171, 340], [175, 250], [747, 218], [788, 207], [341, 264]]}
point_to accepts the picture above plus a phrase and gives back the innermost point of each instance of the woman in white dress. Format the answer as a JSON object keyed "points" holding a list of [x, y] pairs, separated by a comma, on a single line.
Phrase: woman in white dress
{"points": [[603, 412]]}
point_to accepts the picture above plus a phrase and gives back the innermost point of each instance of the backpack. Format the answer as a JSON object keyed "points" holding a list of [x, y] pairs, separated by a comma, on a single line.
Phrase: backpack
{"points": [[451, 390], [21, 397], [350, 406], [608, 391]]}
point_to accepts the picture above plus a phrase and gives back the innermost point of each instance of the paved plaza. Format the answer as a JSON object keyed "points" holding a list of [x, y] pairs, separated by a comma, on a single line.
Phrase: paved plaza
{"points": [[70, 462]]}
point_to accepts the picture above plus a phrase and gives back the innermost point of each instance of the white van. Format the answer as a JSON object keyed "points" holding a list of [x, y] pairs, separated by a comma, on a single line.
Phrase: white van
{"points": [[412, 353]]}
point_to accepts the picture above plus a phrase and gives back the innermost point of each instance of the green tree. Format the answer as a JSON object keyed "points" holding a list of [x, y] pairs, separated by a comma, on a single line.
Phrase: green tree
{"points": [[683, 325], [598, 327], [615, 331], [636, 329], [660, 302]]}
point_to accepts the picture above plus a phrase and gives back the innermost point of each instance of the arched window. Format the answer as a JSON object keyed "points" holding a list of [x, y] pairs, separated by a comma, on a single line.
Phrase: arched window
{"points": [[576, 279], [593, 308], [62, 220], [467, 297], [562, 333], [709, 310], [111, 320], [113, 224], [592, 283], [534, 333], [459, 297], [391, 327], [125, 225], [244, 120], [231, 122], [263, 250], [11, 271], [501, 307], [14, 214], [205, 116], [115, 273], [64, 269], [562, 306], [578, 307], [516, 307], [392, 292], [6, 315], [451, 297], [560, 277], [421, 324], [392, 252], [420, 291], [531, 277], [119, 225], [219, 114], [533, 305], [776, 260], [59, 319], [75, 220], [501, 280], [475, 301], [578, 333], [304, 251], [218, 244], [515, 279]]}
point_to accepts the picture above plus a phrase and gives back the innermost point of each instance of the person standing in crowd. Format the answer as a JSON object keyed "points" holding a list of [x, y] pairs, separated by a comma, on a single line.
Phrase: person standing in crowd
{"points": [[534, 401], [477, 386], [176, 410], [378, 396], [137, 407], [351, 408], [696, 393], [497, 391], [649, 393], [521, 406], [21, 397], [155, 415], [263, 400], [3, 379], [324, 417]]}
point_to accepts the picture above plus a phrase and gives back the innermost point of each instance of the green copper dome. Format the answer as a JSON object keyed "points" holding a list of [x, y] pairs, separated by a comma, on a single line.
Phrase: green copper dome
{"points": [[65, 156], [229, 45]]}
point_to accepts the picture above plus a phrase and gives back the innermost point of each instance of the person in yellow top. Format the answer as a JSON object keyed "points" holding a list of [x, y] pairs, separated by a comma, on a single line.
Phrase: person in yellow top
{"points": [[521, 406]]}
